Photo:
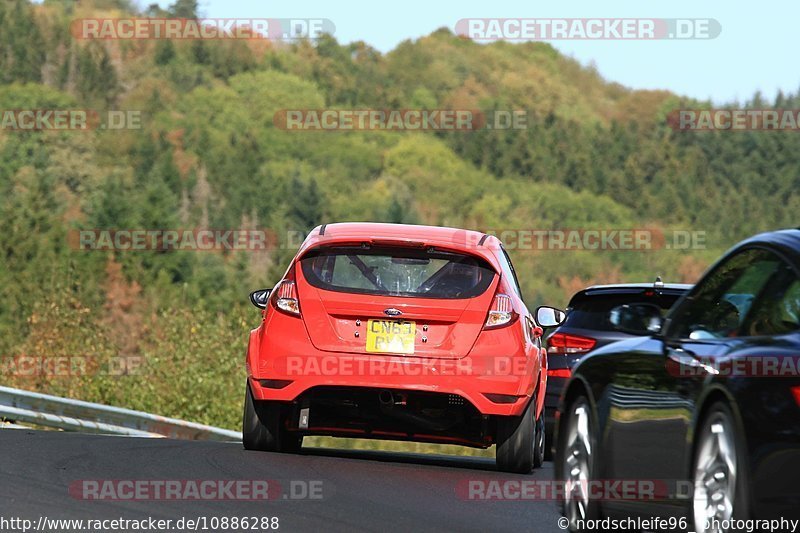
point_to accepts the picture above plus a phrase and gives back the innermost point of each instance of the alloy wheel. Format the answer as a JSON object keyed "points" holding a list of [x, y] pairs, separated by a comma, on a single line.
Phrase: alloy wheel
{"points": [[714, 474], [577, 463]]}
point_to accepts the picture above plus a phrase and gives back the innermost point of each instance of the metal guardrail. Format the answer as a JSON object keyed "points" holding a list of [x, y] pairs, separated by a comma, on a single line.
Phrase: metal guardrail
{"points": [[39, 409]]}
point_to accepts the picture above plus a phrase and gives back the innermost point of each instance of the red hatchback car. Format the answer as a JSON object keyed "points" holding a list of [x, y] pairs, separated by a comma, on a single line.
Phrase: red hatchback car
{"points": [[398, 332]]}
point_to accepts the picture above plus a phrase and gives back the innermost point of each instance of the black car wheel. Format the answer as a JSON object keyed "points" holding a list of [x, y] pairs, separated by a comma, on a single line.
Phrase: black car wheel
{"points": [[577, 456], [264, 429], [720, 490], [516, 441]]}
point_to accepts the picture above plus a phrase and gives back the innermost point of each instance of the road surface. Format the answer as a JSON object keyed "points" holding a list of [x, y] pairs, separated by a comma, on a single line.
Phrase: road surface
{"points": [[45, 474]]}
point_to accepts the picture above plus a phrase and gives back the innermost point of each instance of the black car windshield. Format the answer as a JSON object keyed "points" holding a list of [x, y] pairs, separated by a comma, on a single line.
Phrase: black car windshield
{"points": [[397, 271]]}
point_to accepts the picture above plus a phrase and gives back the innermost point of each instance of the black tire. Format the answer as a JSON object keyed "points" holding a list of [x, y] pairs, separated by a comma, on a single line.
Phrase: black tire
{"points": [[548, 452], [264, 429], [720, 414], [549, 439], [573, 506], [516, 441], [540, 444]]}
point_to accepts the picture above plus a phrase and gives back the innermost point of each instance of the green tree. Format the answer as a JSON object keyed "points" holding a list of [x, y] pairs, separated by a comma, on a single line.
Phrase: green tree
{"points": [[22, 51], [186, 9]]}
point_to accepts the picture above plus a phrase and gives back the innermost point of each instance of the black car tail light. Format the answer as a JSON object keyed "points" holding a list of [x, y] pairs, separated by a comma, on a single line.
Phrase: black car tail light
{"points": [[566, 344], [559, 372], [796, 394]]}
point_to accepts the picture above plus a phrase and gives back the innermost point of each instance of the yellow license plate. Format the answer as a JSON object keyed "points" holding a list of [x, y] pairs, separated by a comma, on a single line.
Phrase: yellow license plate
{"points": [[391, 336]]}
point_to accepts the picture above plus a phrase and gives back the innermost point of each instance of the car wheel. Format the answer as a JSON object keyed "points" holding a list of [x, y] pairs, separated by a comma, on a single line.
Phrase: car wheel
{"points": [[263, 427], [577, 456], [718, 469], [516, 442]]}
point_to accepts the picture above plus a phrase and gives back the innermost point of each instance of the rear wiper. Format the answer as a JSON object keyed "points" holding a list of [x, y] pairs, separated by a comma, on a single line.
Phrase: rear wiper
{"points": [[366, 272]]}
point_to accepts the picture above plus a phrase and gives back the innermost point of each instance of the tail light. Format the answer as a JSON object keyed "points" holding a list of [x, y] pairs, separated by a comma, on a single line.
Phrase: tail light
{"points": [[796, 394], [501, 313], [286, 299], [567, 344], [559, 373]]}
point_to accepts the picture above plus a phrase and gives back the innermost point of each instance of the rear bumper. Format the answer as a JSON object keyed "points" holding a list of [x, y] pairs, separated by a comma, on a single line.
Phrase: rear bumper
{"points": [[551, 401], [457, 377], [294, 366], [396, 414], [280, 350]]}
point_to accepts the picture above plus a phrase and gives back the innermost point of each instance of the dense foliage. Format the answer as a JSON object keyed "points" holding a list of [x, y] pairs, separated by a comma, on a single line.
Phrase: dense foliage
{"points": [[594, 155]]}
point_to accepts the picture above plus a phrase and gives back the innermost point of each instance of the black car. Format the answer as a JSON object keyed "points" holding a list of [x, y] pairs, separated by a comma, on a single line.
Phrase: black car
{"points": [[597, 316], [710, 403]]}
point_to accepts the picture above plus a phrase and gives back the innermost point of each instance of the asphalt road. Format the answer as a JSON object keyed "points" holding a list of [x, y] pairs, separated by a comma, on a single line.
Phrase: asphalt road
{"points": [[361, 491]]}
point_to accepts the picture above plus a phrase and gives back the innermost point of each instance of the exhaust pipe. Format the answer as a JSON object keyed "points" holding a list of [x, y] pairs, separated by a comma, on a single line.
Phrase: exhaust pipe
{"points": [[386, 399]]}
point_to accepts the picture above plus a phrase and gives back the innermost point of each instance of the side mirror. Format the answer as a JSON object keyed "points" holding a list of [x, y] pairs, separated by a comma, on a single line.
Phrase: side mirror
{"points": [[548, 317], [636, 319], [260, 298]]}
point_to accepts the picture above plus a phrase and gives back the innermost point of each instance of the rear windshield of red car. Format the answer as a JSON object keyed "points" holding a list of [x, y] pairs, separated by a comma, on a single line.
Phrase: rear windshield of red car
{"points": [[397, 271]]}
